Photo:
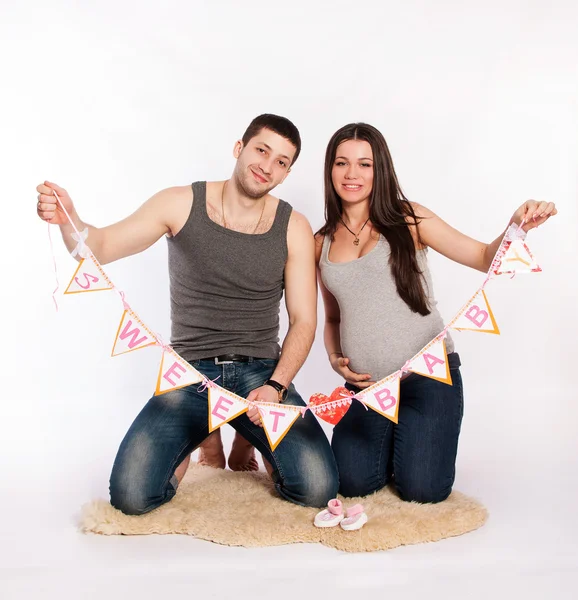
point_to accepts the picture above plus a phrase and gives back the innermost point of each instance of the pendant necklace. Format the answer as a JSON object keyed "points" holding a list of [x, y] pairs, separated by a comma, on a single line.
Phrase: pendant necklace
{"points": [[355, 235]]}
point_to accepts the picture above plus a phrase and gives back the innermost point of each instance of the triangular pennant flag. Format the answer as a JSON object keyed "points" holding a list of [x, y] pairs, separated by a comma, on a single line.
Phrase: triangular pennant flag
{"points": [[224, 406], [88, 277], [131, 335], [175, 373], [383, 398], [277, 421], [432, 362], [477, 316], [517, 259]]}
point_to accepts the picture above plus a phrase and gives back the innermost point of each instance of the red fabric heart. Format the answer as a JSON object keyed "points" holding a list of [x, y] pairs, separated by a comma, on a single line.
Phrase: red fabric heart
{"points": [[334, 414]]}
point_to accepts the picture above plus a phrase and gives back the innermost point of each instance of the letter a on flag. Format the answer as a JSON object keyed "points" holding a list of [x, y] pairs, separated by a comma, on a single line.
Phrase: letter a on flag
{"points": [[432, 362], [477, 316], [277, 420], [131, 335]]}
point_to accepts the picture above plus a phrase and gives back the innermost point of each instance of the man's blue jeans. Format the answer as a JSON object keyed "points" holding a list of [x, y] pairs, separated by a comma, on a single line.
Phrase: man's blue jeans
{"points": [[419, 452], [173, 424]]}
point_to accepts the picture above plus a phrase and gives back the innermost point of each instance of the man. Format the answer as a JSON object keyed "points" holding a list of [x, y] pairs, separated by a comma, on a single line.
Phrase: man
{"points": [[232, 249]]}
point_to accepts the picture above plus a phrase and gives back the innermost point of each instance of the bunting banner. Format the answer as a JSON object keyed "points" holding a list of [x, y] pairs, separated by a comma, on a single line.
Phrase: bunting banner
{"points": [[513, 256], [88, 277], [432, 361], [476, 316], [277, 420], [517, 259], [175, 373], [383, 397], [224, 406], [131, 335]]}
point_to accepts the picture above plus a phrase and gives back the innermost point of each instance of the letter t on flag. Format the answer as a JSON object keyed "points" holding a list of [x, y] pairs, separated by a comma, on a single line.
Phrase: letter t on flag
{"points": [[277, 420]]}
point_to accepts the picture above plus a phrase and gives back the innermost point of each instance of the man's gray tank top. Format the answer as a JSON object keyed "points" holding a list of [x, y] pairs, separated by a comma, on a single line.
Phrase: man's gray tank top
{"points": [[379, 331], [226, 286]]}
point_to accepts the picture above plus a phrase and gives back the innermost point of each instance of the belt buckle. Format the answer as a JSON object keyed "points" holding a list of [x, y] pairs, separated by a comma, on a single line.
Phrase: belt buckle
{"points": [[223, 362]]}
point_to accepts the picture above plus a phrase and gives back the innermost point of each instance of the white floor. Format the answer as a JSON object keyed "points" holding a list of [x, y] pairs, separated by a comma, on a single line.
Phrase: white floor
{"points": [[528, 548]]}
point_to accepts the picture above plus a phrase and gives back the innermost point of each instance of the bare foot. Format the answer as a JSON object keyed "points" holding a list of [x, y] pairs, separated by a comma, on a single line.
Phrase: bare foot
{"points": [[211, 452], [242, 457], [182, 469], [268, 467]]}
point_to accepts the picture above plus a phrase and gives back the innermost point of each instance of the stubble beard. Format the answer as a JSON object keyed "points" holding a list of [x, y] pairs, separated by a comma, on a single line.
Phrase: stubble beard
{"points": [[247, 191]]}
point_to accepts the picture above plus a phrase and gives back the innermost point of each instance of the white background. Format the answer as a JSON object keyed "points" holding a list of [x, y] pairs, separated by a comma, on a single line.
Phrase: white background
{"points": [[116, 100]]}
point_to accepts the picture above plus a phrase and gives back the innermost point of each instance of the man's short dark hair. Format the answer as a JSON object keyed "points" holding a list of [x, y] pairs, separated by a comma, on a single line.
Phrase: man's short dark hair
{"points": [[279, 125]]}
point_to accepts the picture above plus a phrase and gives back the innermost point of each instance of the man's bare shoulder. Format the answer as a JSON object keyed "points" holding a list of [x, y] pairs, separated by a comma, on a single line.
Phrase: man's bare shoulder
{"points": [[177, 192], [173, 195], [176, 203], [299, 224], [300, 219], [299, 234]]}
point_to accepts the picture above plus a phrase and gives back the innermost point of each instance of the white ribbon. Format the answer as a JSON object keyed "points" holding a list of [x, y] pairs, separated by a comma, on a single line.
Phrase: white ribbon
{"points": [[515, 232], [81, 248]]}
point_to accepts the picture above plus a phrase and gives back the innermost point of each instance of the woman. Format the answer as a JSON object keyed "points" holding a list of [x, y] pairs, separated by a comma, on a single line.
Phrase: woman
{"points": [[380, 312]]}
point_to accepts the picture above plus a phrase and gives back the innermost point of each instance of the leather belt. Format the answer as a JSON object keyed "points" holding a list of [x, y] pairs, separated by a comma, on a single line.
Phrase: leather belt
{"points": [[225, 359]]}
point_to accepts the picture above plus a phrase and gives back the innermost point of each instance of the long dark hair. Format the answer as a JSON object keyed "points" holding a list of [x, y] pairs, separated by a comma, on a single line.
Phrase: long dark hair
{"points": [[389, 212]]}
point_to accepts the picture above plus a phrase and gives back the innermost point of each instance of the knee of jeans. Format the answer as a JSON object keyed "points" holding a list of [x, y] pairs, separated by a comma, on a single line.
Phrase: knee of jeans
{"points": [[352, 486], [314, 491], [134, 499], [129, 501], [424, 493], [319, 493]]}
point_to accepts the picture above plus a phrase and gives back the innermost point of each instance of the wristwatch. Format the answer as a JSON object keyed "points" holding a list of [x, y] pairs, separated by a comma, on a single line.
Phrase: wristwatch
{"points": [[281, 389]]}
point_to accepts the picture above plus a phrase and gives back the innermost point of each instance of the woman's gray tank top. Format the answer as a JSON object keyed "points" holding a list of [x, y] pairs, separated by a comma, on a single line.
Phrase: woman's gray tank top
{"points": [[379, 331], [226, 286]]}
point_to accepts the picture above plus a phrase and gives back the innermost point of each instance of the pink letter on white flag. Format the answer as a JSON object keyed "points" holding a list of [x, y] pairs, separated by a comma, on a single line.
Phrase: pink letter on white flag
{"points": [[277, 421], [224, 406], [87, 278], [477, 316], [383, 398], [131, 335], [433, 362], [175, 373]]}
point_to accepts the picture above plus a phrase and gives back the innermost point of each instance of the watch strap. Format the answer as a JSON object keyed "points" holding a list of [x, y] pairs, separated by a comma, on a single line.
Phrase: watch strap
{"points": [[281, 389]]}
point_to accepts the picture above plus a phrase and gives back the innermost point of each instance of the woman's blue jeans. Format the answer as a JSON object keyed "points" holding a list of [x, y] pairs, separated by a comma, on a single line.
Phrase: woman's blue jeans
{"points": [[419, 453]]}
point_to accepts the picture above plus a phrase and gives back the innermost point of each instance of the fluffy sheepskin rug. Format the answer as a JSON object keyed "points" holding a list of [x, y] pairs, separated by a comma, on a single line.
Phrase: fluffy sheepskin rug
{"points": [[242, 509]]}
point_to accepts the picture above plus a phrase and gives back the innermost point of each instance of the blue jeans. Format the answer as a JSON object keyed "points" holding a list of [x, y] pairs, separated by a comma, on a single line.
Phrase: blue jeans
{"points": [[172, 425], [419, 453]]}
